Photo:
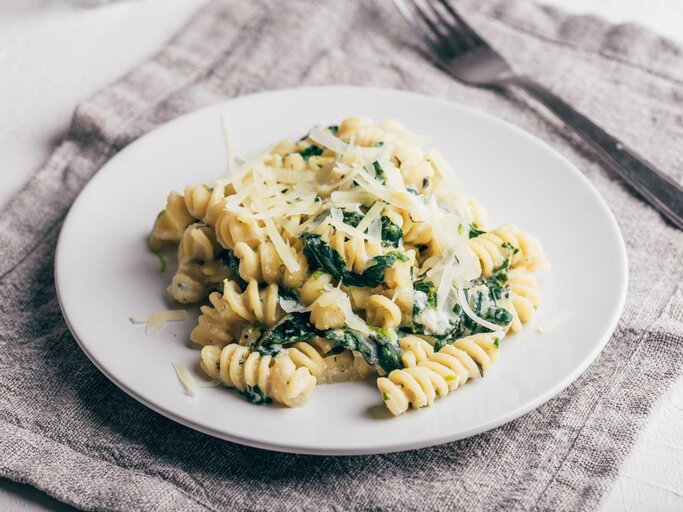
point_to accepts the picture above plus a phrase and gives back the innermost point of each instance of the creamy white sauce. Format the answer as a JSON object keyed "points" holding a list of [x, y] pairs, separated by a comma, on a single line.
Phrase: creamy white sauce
{"points": [[435, 322], [419, 299]]}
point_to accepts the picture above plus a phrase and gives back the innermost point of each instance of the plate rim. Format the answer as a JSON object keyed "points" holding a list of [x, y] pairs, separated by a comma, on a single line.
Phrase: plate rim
{"points": [[548, 394]]}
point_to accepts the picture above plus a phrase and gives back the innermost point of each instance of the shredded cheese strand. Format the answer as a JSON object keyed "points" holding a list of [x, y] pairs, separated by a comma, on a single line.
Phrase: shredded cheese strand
{"points": [[468, 311], [186, 379], [280, 246], [156, 321], [373, 212]]}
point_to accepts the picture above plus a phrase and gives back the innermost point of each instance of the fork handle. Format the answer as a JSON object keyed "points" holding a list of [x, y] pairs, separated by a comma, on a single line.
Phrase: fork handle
{"points": [[658, 189]]}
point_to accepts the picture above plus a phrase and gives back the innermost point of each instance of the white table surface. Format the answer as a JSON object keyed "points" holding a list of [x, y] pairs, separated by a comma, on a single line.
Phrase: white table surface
{"points": [[47, 68]]}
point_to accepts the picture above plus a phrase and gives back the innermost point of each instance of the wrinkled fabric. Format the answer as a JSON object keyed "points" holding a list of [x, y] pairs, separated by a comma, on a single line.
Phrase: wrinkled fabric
{"points": [[67, 430]]}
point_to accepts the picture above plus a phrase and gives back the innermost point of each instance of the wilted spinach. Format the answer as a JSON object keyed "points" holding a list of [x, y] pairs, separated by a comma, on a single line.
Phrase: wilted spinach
{"points": [[352, 218], [388, 351], [313, 150], [391, 233], [352, 340], [255, 395], [292, 328], [321, 255], [233, 264], [380, 348], [475, 231], [379, 173]]}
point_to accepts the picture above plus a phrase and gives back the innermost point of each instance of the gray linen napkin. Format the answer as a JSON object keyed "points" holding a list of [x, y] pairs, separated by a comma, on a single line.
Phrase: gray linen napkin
{"points": [[67, 430]]}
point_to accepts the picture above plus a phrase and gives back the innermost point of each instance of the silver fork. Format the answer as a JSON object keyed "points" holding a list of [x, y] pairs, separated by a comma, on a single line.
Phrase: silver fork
{"points": [[461, 52]]}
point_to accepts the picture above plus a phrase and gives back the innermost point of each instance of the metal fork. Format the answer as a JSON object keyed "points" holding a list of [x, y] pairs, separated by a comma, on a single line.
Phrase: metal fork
{"points": [[461, 52]]}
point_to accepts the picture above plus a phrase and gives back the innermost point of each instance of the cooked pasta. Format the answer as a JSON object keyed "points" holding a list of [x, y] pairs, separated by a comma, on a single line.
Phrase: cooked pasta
{"points": [[444, 371], [349, 253], [260, 377]]}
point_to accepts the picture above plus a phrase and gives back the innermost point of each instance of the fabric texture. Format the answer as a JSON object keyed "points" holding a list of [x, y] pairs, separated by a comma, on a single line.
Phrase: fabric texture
{"points": [[67, 430]]}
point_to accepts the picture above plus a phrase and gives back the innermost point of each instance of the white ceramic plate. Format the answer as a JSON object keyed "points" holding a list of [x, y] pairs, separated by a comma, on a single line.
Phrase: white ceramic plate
{"points": [[105, 274]]}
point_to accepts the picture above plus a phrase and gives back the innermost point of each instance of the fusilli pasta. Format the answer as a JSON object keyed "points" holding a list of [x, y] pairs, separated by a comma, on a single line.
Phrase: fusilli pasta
{"points": [[350, 252]]}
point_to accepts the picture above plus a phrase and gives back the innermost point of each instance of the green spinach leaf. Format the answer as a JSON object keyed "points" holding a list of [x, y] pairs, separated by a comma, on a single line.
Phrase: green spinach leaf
{"points": [[255, 396], [292, 328], [391, 233], [352, 218], [379, 173], [320, 255], [352, 340], [475, 231], [288, 293], [233, 263], [388, 350], [313, 150]]}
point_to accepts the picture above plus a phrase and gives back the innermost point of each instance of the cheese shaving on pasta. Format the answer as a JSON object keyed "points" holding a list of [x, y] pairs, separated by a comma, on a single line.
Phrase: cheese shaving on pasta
{"points": [[464, 304], [373, 213], [280, 246]]}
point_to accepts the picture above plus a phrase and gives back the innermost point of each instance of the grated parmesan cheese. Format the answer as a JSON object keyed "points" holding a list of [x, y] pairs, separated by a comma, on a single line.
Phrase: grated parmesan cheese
{"points": [[340, 225], [373, 213], [186, 379], [326, 139], [375, 230], [468, 311], [156, 321], [291, 306], [281, 247]]}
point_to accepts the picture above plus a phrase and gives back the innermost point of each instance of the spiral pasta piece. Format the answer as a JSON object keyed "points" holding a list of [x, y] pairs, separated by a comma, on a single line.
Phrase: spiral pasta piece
{"points": [[305, 355], [442, 372], [264, 264], [198, 269], [382, 312], [414, 350], [193, 282], [523, 300], [277, 377], [355, 251], [400, 275], [403, 298], [212, 328], [204, 203], [508, 243], [230, 230], [198, 243], [345, 366], [327, 312], [360, 129], [416, 168], [171, 222], [316, 284], [229, 313], [417, 233], [252, 305]]}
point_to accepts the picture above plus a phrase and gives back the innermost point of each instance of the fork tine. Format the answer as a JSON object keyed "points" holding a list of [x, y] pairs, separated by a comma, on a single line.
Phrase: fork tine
{"points": [[464, 27], [437, 51], [456, 36], [447, 45], [417, 28]]}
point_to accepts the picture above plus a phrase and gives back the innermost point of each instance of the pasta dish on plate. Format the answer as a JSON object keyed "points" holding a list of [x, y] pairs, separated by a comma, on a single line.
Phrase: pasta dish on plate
{"points": [[351, 253]]}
